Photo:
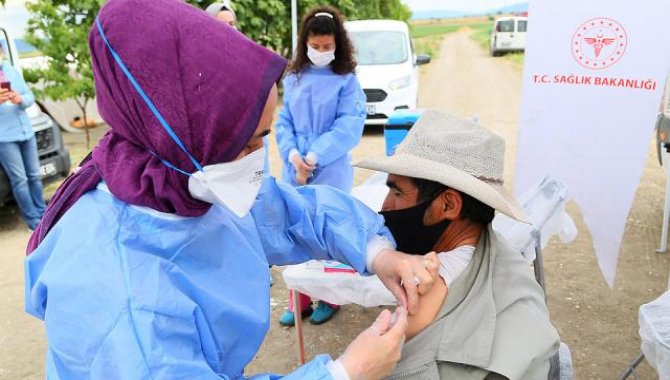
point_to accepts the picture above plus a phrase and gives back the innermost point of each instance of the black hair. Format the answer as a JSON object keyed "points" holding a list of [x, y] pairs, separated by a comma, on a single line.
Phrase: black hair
{"points": [[312, 25], [473, 209]]}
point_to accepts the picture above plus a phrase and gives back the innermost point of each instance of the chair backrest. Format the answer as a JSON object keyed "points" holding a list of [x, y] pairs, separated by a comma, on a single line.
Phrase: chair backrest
{"points": [[545, 206]]}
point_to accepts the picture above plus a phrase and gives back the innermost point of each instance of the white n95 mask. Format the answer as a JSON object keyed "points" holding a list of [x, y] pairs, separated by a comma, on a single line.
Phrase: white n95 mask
{"points": [[233, 185], [320, 59]]}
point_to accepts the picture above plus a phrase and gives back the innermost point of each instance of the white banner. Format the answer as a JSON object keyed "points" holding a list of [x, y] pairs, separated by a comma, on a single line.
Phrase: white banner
{"points": [[593, 80]]}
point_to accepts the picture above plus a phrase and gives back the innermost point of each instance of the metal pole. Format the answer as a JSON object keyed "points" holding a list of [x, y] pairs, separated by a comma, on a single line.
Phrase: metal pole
{"points": [[297, 317], [666, 216], [294, 26], [538, 266], [630, 370]]}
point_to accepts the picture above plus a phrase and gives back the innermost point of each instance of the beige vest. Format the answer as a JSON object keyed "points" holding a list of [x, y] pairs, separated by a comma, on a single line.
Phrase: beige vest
{"points": [[494, 324]]}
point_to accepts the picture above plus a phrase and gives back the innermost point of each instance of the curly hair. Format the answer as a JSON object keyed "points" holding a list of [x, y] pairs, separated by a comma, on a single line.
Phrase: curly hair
{"points": [[344, 62]]}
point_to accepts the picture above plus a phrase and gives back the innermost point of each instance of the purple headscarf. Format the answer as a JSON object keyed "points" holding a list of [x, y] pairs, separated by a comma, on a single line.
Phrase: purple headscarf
{"points": [[208, 81]]}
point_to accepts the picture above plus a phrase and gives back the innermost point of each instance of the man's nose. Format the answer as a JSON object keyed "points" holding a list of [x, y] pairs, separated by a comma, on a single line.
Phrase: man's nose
{"points": [[386, 206]]}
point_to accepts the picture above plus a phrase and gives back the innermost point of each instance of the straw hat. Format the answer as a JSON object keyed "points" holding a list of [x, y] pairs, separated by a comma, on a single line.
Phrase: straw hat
{"points": [[457, 153]]}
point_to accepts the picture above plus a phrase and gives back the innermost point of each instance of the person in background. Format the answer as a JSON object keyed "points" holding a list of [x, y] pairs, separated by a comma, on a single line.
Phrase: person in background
{"points": [[322, 119], [18, 147], [224, 12]]}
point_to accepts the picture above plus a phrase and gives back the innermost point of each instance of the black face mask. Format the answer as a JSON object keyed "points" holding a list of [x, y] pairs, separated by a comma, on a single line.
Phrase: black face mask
{"points": [[411, 235]]}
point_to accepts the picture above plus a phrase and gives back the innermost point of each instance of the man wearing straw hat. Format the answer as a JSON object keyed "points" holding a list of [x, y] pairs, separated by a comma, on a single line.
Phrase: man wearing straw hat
{"points": [[488, 319]]}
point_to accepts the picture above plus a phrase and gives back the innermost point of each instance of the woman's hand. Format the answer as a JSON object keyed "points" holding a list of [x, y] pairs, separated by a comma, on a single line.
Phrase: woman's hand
{"points": [[5, 95], [301, 179], [303, 170], [15, 97], [376, 351]]}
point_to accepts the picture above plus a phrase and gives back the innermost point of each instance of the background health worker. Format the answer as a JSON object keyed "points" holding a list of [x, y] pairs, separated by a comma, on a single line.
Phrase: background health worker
{"points": [[322, 119]]}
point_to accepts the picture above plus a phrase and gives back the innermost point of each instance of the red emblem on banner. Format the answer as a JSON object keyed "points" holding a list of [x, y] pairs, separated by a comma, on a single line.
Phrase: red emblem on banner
{"points": [[599, 43]]}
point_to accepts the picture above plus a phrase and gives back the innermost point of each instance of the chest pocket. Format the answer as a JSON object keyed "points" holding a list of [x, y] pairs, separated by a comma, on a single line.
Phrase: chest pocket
{"points": [[427, 371]]}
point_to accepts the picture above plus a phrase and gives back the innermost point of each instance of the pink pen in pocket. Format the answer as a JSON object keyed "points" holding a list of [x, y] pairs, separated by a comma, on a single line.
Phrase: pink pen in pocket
{"points": [[335, 267]]}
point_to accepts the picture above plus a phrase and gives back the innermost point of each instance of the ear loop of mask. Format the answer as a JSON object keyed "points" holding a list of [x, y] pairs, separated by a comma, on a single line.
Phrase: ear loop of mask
{"points": [[151, 106]]}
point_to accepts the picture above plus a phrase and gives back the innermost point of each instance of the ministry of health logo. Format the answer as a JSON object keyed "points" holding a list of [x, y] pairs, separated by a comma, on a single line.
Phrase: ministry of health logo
{"points": [[599, 43]]}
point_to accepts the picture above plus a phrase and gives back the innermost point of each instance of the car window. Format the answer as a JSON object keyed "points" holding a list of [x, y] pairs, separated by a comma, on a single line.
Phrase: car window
{"points": [[521, 25], [7, 56], [380, 47], [506, 26]]}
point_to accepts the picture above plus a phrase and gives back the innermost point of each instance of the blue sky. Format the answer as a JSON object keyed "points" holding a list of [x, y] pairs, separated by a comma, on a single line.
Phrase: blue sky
{"points": [[14, 16]]}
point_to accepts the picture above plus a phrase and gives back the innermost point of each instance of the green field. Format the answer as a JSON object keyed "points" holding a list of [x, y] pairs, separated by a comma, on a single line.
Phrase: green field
{"points": [[32, 54], [425, 30]]}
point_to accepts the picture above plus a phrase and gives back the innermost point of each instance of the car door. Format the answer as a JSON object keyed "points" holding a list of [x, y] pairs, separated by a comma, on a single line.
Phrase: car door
{"points": [[520, 36], [505, 34]]}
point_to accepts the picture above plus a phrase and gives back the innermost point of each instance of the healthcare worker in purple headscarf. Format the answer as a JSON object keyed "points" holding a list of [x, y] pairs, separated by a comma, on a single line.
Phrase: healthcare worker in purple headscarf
{"points": [[151, 260]]}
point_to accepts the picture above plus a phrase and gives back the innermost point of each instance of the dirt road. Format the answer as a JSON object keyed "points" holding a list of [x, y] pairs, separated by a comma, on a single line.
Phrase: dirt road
{"points": [[599, 324]]}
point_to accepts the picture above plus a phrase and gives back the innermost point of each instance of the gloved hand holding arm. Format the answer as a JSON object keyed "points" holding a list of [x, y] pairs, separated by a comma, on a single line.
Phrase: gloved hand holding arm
{"points": [[319, 222]]}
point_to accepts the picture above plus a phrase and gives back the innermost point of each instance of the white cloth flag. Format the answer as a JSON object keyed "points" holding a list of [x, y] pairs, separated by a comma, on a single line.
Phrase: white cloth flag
{"points": [[593, 80]]}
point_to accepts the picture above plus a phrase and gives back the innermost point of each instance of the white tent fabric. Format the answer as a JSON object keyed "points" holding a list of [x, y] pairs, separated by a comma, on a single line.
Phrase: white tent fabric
{"points": [[593, 77], [655, 334]]}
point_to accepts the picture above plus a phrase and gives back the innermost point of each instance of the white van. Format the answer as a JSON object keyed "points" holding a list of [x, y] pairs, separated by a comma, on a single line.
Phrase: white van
{"points": [[387, 66], [508, 35]]}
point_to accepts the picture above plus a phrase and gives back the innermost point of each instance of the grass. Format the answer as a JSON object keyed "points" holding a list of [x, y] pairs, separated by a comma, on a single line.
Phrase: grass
{"points": [[516, 58], [425, 30], [428, 45], [427, 35], [32, 54], [480, 35]]}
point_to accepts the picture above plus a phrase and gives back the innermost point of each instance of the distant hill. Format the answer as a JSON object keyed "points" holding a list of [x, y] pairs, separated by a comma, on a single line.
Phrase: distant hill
{"points": [[424, 15], [445, 13], [516, 8], [23, 47]]}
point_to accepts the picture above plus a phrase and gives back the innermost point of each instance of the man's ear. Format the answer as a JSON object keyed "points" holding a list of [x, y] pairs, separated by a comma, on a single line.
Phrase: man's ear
{"points": [[452, 204]]}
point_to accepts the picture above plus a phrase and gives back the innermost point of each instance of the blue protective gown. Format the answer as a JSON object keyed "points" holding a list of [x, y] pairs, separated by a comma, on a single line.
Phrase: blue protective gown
{"points": [[131, 293], [323, 113]]}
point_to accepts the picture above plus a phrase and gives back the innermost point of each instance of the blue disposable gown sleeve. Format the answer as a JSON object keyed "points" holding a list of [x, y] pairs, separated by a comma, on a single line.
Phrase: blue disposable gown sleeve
{"points": [[314, 222], [314, 370], [284, 129], [19, 85], [347, 129], [169, 347]]}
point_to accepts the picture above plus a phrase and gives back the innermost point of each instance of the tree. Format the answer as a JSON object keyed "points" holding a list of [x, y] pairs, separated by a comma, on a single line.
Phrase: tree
{"points": [[267, 21], [59, 29]]}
